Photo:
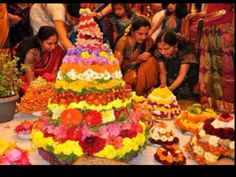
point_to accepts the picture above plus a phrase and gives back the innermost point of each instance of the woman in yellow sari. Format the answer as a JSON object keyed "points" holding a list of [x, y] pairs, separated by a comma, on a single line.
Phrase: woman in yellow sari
{"points": [[138, 66], [4, 23]]}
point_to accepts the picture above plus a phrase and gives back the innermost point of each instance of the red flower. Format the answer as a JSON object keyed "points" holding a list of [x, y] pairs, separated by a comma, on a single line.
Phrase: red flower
{"points": [[128, 133], [74, 133], [93, 118], [24, 127], [49, 77], [92, 144], [71, 117], [225, 117], [115, 141], [123, 111]]}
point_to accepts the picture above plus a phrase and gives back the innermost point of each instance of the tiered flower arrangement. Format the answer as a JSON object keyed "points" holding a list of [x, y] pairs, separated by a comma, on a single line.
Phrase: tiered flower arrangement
{"points": [[214, 140], [193, 117], [10, 154], [163, 104], [92, 112]]}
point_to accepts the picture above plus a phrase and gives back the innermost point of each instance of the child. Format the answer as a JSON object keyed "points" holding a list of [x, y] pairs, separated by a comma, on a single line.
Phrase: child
{"points": [[121, 20]]}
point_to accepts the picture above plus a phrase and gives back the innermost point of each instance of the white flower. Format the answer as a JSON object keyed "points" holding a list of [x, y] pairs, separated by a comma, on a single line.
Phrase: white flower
{"points": [[100, 75], [217, 124], [81, 77], [198, 150], [56, 112], [167, 106], [59, 75], [194, 139], [202, 133], [155, 136], [231, 145], [210, 157], [171, 138], [163, 138], [213, 140], [95, 75], [157, 112], [162, 130], [117, 75], [107, 75], [88, 72], [168, 129], [72, 74]]}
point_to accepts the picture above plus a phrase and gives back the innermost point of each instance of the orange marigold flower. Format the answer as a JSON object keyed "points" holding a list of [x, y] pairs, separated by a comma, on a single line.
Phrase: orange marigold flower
{"points": [[71, 117]]}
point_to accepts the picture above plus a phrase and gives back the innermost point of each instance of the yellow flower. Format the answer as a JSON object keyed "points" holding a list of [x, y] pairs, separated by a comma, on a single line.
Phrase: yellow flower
{"points": [[108, 116], [141, 139], [85, 55], [127, 143], [58, 149], [4, 146], [112, 57], [104, 54], [108, 152], [67, 147], [50, 142], [77, 150], [38, 138]]}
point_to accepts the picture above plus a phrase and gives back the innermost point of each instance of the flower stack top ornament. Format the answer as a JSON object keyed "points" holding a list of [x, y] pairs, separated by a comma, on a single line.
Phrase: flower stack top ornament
{"points": [[92, 111], [88, 30]]}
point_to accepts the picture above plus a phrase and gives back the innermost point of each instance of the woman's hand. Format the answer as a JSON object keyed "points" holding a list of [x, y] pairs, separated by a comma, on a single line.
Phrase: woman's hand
{"points": [[144, 56], [163, 85], [14, 19]]}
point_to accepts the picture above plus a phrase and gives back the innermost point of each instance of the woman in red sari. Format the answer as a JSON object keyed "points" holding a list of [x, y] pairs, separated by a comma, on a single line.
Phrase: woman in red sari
{"points": [[40, 55]]}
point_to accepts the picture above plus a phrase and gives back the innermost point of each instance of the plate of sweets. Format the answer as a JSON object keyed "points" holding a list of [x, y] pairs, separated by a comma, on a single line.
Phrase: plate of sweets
{"points": [[23, 130]]}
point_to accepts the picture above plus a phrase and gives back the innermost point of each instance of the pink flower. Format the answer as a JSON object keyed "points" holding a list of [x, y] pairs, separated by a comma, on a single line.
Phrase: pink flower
{"points": [[103, 132], [114, 129], [14, 154], [60, 133], [86, 132], [133, 116], [4, 161], [24, 160]]}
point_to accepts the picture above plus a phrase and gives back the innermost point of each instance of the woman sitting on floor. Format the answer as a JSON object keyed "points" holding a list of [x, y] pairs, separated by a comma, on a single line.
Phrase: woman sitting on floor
{"points": [[138, 66], [179, 68]]}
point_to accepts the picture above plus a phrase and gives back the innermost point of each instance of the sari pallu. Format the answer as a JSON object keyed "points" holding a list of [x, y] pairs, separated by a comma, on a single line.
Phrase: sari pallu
{"points": [[217, 64], [4, 23]]}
